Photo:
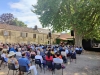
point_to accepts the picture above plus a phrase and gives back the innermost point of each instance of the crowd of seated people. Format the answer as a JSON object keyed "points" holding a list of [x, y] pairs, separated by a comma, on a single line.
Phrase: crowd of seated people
{"points": [[22, 54]]}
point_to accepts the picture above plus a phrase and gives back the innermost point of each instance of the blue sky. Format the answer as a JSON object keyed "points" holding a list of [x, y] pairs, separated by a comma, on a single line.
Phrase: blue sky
{"points": [[4, 6], [21, 9]]}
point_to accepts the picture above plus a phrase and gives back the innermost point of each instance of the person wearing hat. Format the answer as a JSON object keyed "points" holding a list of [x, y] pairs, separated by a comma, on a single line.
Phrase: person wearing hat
{"points": [[4, 55], [12, 59]]}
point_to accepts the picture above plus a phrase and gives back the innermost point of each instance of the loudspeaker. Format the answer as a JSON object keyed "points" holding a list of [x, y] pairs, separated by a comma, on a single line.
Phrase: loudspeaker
{"points": [[49, 34], [72, 33]]}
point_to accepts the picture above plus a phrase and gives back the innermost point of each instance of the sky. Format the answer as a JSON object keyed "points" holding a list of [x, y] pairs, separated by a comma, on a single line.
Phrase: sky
{"points": [[21, 9]]}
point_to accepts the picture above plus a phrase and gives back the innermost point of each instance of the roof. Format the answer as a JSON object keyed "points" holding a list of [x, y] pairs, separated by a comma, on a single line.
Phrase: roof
{"points": [[65, 36], [16, 28]]}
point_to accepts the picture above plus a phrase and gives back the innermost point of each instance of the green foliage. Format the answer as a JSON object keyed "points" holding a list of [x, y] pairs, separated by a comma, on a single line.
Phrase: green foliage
{"points": [[16, 22], [81, 15]]}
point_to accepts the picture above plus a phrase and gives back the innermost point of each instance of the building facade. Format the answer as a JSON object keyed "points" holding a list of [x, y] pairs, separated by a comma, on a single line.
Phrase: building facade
{"points": [[16, 34]]}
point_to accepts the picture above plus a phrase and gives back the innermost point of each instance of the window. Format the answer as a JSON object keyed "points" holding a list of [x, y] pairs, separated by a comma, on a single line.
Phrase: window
{"points": [[26, 34], [6, 33], [34, 35], [47, 36], [21, 34]]}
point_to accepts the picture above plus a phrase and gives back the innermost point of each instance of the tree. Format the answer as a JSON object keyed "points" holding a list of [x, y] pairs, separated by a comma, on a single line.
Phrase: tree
{"points": [[16, 22], [6, 18], [83, 16]]}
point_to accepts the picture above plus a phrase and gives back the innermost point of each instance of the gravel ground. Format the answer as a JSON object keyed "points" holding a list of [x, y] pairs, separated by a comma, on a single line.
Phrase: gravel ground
{"points": [[87, 64]]}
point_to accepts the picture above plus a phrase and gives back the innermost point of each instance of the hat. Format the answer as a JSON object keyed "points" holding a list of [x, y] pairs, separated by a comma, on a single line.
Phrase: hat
{"points": [[11, 54], [4, 50]]}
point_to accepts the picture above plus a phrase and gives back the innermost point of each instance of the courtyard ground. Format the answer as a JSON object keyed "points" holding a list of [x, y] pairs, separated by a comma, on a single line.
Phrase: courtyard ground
{"points": [[87, 64]]}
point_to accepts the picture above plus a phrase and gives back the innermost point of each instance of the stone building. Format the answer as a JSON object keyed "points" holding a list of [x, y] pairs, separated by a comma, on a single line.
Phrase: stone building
{"points": [[16, 34]]}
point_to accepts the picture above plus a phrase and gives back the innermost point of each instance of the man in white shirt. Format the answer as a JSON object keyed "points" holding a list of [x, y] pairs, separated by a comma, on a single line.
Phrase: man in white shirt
{"points": [[64, 56], [38, 56], [18, 54], [63, 53]]}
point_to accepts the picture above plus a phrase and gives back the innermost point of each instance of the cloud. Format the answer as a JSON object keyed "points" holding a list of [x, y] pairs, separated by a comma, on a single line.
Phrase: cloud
{"points": [[22, 11]]}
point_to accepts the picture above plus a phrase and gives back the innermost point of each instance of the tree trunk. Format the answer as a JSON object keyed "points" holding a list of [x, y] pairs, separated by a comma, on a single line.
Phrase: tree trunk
{"points": [[78, 40]]}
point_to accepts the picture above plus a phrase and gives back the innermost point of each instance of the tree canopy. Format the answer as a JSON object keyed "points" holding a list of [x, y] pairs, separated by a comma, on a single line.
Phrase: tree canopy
{"points": [[83, 16], [8, 18], [16, 22]]}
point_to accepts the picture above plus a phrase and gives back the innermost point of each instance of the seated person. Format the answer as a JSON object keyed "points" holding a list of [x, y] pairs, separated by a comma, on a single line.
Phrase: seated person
{"points": [[12, 48], [42, 53], [64, 56], [57, 59], [80, 50], [52, 52], [59, 55], [4, 55], [49, 57], [18, 54], [77, 49], [38, 56], [23, 61], [12, 59], [32, 54], [73, 55], [28, 54]]}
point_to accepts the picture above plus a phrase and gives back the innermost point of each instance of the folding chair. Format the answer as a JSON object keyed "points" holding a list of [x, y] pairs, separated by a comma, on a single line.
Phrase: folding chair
{"points": [[23, 69], [12, 67], [32, 57], [38, 62], [49, 64], [57, 66]]}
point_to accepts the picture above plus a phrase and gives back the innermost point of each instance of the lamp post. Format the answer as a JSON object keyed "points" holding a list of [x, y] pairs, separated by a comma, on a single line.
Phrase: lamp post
{"points": [[49, 34]]}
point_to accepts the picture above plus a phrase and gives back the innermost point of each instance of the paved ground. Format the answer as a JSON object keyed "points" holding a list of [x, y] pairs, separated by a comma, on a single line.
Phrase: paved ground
{"points": [[87, 64]]}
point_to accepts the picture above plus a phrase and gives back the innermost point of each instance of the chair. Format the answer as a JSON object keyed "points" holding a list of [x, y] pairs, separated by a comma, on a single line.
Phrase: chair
{"points": [[49, 64], [11, 67], [23, 69], [32, 57], [38, 62], [57, 66]]}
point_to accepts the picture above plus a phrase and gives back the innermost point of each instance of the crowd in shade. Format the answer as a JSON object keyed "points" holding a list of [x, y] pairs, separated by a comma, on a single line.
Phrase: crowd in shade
{"points": [[25, 54]]}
